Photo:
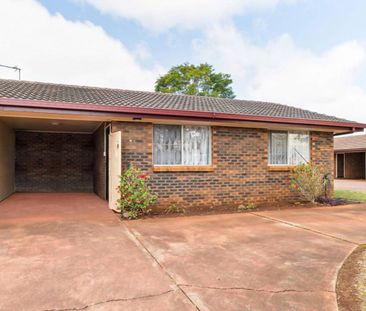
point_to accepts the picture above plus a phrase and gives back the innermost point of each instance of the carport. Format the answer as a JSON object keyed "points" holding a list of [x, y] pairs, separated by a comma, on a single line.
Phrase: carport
{"points": [[50, 155]]}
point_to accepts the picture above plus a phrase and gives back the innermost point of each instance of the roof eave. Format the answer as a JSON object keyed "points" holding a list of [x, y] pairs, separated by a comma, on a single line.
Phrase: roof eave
{"points": [[351, 126], [353, 150]]}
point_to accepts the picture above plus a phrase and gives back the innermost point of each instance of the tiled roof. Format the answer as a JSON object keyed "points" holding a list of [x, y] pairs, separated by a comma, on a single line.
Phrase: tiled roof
{"points": [[355, 142], [125, 98]]}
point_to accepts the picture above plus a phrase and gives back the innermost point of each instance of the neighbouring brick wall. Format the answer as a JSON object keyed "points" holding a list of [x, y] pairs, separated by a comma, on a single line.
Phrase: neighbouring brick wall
{"points": [[50, 162], [99, 163], [355, 165], [240, 160]]}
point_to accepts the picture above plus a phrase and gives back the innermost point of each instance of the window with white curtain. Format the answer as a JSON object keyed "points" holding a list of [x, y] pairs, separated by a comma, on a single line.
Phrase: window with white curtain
{"points": [[289, 148], [181, 145]]}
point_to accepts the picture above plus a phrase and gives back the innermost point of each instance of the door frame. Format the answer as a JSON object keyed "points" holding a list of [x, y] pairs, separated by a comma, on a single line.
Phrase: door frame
{"points": [[114, 167]]}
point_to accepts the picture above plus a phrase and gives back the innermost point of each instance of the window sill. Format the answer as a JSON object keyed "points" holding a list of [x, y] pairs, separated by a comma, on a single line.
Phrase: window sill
{"points": [[183, 168], [280, 168]]}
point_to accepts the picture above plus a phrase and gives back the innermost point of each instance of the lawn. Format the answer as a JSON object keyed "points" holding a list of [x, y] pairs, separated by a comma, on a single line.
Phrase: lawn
{"points": [[350, 195]]}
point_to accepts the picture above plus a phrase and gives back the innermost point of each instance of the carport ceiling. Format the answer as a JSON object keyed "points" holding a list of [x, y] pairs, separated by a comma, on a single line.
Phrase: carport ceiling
{"points": [[51, 125]]}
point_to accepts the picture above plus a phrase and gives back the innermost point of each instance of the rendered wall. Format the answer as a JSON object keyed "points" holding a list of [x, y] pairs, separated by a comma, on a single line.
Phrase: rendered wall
{"points": [[99, 163], [7, 158]]}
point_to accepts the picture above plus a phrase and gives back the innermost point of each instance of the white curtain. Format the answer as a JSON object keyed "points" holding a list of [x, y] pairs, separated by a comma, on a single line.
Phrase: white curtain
{"points": [[170, 148], [196, 145], [278, 148], [167, 149], [299, 147]]}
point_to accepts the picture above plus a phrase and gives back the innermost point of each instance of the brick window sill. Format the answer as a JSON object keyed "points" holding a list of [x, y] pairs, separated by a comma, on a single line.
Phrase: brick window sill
{"points": [[183, 168], [280, 168]]}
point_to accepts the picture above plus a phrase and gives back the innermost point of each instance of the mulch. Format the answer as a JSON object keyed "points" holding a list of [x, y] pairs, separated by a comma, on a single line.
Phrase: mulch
{"points": [[230, 209]]}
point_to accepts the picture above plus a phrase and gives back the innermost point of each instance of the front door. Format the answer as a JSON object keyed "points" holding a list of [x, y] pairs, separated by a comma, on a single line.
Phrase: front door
{"points": [[115, 167]]}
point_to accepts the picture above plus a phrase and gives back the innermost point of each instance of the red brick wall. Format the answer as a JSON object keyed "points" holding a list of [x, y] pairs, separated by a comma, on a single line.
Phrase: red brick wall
{"points": [[54, 162], [322, 153], [240, 175]]}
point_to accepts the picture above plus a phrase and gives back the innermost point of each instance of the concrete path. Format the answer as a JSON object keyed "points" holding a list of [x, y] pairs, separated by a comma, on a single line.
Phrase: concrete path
{"points": [[280, 260], [69, 252], [350, 184]]}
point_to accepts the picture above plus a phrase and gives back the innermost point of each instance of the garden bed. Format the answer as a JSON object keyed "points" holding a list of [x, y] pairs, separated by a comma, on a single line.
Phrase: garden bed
{"points": [[230, 209]]}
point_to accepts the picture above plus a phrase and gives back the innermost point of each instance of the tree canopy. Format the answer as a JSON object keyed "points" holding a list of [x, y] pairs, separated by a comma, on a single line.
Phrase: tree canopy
{"points": [[201, 80]]}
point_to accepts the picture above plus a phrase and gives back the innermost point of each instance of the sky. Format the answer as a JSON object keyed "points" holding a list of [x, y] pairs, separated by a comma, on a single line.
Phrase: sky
{"points": [[309, 54]]}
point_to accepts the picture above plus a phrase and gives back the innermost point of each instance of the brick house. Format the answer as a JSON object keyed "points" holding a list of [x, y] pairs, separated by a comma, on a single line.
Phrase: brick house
{"points": [[196, 150], [350, 157]]}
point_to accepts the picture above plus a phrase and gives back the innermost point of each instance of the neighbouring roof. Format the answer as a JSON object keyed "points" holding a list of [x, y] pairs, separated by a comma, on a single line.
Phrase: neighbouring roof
{"points": [[49, 95], [350, 143]]}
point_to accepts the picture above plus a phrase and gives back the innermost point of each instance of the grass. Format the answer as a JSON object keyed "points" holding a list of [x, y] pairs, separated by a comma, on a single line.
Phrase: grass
{"points": [[350, 195]]}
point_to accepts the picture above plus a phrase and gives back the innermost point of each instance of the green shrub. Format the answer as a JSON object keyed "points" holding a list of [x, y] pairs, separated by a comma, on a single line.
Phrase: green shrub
{"points": [[135, 195], [307, 180], [175, 209], [250, 206]]}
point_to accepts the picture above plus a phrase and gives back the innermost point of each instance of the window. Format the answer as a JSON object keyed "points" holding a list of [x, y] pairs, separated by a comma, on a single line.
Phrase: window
{"points": [[181, 145], [289, 148]]}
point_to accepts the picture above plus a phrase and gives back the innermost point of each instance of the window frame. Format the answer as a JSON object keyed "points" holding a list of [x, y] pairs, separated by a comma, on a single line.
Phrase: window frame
{"points": [[191, 167], [288, 147]]}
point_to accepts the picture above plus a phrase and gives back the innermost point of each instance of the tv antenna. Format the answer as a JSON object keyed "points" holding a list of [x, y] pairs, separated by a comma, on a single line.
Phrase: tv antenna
{"points": [[16, 68]]}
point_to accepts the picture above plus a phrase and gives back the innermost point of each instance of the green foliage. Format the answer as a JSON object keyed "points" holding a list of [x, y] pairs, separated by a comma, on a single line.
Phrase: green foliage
{"points": [[175, 209], [201, 80], [307, 179], [250, 206], [350, 195], [135, 195]]}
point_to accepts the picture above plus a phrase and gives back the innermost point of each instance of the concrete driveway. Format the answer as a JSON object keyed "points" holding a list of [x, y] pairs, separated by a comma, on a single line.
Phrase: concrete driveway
{"points": [[71, 252], [350, 184]]}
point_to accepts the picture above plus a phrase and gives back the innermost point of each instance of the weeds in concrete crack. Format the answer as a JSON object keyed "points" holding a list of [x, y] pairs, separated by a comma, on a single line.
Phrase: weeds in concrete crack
{"points": [[111, 300]]}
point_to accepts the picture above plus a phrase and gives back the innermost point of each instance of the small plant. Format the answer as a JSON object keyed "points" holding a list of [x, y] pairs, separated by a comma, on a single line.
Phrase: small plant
{"points": [[175, 209], [307, 180], [135, 195], [250, 206]]}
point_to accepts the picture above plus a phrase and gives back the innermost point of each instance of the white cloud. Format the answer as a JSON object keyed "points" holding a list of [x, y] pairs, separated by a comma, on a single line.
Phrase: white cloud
{"points": [[50, 48], [160, 15], [282, 72], [142, 52]]}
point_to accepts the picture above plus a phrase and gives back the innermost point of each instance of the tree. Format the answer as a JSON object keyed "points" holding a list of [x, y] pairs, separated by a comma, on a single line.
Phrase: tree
{"points": [[201, 80]]}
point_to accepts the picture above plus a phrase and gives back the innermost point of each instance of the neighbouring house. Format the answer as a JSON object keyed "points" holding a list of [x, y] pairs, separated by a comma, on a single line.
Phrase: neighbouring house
{"points": [[196, 150], [350, 157]]}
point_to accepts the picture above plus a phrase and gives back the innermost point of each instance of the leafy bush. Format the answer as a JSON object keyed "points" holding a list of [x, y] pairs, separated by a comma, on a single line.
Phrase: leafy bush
{"points": [[135, 195], [308, 180]]}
